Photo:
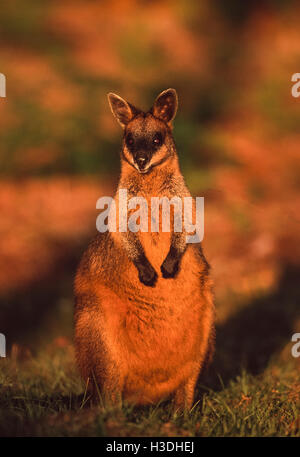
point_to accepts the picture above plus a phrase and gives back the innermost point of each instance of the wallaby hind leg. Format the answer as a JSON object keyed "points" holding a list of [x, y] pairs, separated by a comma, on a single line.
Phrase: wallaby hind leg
{"points": [[107, 391], [184, 395], [101, 374]]}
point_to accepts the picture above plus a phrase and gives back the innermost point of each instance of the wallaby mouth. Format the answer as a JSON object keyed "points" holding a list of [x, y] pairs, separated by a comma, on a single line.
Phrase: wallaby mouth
{"points": [[144, 170], [142, 164]]}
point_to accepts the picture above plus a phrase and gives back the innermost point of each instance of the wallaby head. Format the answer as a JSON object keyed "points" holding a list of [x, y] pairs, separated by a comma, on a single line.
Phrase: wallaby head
{"points": [[147, 140]]}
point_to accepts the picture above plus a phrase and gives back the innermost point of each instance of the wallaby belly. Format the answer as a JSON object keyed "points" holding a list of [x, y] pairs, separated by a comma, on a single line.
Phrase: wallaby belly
{"points": [[155, 336]]}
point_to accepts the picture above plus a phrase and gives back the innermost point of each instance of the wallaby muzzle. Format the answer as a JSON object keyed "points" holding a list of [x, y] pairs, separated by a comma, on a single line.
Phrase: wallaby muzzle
{"points": [[142, 160]]}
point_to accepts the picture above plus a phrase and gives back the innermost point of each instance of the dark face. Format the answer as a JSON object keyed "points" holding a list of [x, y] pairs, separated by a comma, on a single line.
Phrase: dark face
{"points": [[145, 142], [148, 139]]}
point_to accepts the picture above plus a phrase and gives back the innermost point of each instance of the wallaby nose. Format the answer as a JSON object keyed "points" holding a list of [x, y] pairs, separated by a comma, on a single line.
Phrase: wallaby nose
{"points": [[141, 161]]}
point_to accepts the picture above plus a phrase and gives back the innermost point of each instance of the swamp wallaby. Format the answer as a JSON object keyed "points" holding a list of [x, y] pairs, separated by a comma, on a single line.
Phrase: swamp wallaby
{"points": [[144, 312]]}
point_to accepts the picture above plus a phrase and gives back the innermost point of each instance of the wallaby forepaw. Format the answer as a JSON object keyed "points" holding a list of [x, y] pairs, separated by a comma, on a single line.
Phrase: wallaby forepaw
{"points": [[169, 268], [148, 277]]}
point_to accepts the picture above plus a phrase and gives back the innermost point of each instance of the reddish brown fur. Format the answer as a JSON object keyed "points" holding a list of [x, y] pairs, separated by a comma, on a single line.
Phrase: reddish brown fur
{"points": [[143, 344]]}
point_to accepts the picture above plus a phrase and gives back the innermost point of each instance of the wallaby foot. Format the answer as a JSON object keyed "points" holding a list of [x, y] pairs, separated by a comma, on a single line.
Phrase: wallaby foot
{"points": [[184, 397]]}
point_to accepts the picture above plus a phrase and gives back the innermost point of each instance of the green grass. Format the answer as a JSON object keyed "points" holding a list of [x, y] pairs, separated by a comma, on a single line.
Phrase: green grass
{"points": [[43, 396], [251, 389]]}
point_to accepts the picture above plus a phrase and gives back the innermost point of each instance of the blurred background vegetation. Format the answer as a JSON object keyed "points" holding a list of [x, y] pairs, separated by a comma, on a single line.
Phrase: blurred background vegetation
{"points": [[237, 133], [229, 63]]}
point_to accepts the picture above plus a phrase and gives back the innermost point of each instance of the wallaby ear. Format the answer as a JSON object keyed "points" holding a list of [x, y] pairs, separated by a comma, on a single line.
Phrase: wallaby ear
{"points": [[122, 110], [165, 105]]}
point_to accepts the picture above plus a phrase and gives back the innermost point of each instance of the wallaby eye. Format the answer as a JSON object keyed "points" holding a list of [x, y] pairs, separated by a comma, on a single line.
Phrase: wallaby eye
{"points": [[129, 140], [157, 140]]}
